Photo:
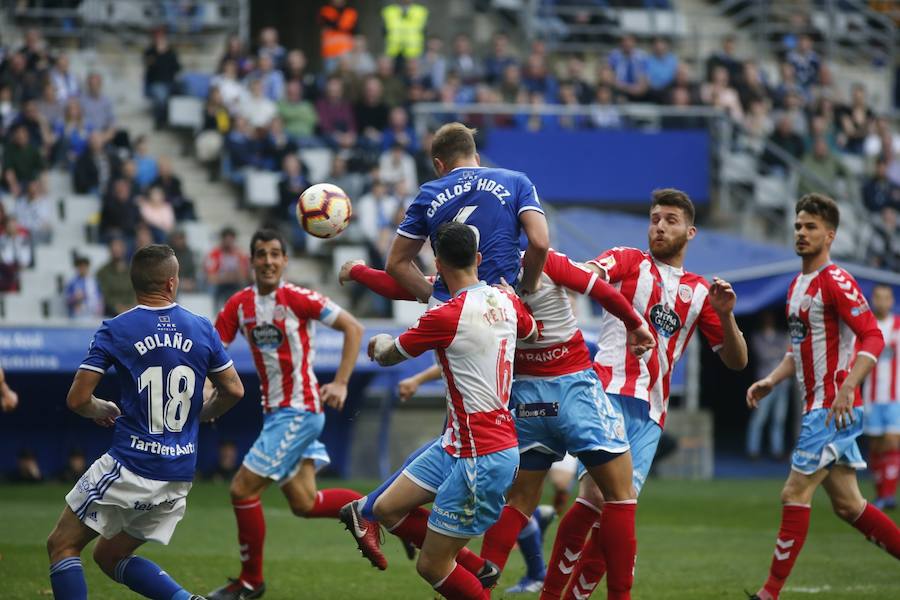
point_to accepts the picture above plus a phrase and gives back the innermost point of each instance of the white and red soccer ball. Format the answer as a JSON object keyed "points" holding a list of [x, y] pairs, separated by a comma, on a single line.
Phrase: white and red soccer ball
{"points": [[324, 210]]}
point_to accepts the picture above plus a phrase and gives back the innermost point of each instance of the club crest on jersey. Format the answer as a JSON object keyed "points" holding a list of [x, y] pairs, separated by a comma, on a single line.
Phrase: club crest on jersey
{"points": [[665, 320], [685, 293], [797, 329], [279, 313], [266, 336]]}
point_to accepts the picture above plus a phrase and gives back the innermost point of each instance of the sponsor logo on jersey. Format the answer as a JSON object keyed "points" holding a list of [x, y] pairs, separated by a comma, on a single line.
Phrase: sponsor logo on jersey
{"points": [[858, 310], [685, 292], [665, 320], [797, 329], [538, 409], [266, 336]]}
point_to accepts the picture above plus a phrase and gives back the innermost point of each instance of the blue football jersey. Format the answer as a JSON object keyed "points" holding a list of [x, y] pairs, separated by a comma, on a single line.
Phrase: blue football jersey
{"points": [[490, 200], [161, 356]]}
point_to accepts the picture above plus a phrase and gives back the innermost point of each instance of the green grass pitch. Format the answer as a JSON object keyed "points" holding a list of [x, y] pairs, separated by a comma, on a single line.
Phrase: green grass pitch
{"points": [[696, 540]]}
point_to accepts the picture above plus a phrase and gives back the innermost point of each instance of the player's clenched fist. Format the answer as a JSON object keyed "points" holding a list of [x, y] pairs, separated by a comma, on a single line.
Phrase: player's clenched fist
{"points": [[344, 275], [334, 394], [721, 296], [640, 340], [758, 391]]}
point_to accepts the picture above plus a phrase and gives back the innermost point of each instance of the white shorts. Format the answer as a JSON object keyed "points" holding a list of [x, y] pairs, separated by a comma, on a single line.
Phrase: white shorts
{"points": [[568, 464], [110, 499]]}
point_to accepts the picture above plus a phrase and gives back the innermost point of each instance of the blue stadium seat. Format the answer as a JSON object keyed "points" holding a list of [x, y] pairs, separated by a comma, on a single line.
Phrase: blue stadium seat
{"points": [[196, 84]]}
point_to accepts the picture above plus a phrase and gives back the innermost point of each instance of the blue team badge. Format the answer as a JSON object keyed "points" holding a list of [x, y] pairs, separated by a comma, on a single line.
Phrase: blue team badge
{"points": [[665, 320], [266, 336], [467, 176], [797, 329]]}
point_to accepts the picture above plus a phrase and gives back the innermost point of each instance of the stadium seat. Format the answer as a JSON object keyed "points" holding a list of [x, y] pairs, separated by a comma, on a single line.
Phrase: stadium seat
{"points": [[198, 302], [195, 84], [318, 160], [186, 112], [43, 281], [645, 23], [739, 167], [261, 187], [343, 254], [199, 236], [406, 313], [22, 308]]}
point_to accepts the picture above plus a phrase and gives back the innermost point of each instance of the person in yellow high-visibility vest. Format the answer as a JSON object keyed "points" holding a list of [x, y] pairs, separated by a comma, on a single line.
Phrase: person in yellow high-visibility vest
{"points": [[404, 29]]}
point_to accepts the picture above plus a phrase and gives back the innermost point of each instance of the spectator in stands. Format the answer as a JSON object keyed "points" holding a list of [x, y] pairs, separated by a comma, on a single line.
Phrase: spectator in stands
{"points": [[511, 88], [269, 46], [114, 280], [27, 468], [16, 252], [824, 165], [95, 167], [72, 135], [295, 70], [161, 69], [500, 57], [629, 63], [787, 139], [294, 181], [336, 121], [171, 186], [662, 64], [767, 344], [820, 127], [878, 191], [82, 292], [277, 145], [272, 78], [371, 113], [211, 138], [229, 85], [157, 213], [806, 62], [424, 166], [575, 76], [227, 267], [39, 133], [718, 93], [299, 115], [244, 149], [536, 119], [337, 25], [237, 53], [751, 86], [22, 82], [793, 107], [433, 62], [463, 61], [352, 183], [147, 168], [725, 57], [855, 121], [883, 249], [99, 114], [120, 214], [22, 162], [787, 85], [537, 79], [360, 58], [75, 465], [680, 97], [568, 97], [49, 107], [187, 262], [758, 125], [881, 135], [128, 172], [396, 165], [394, 90], [37, 58], [63, 80], [256, 108], [143, 237], [33, 211], [404, 29], [684, 79], [375, 217], [399, 131]]}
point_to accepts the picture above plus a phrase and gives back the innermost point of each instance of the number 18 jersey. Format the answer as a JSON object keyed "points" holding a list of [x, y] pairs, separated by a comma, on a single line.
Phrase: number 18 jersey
{"points": [[162, 356]]}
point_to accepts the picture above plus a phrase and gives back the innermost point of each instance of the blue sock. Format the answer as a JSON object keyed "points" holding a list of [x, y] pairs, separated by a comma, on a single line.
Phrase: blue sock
{"points": [[148, 579], [369, 505], [530, 546], [67, 579]]}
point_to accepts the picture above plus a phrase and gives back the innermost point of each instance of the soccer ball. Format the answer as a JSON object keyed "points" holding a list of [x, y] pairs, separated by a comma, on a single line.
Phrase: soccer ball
{"points": [[324, 210]]}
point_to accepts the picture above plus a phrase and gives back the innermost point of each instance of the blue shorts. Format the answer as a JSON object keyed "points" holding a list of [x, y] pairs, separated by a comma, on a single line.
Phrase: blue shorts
{"points": [[881, 419], [289, 436], [643, 435], [570, 413], [469, 492], [819, 446]]}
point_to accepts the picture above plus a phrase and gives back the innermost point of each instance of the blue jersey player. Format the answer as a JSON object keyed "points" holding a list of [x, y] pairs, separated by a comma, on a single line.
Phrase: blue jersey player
{"points": [[499, 204], [162, 354]]}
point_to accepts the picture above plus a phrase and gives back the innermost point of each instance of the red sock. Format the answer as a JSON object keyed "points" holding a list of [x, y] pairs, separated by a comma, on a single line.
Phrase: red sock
{"points": [[413, 527], [890, 472], [876, 465], [560, 501], [589, 570], [619, 545], [460, 585], [329, 503], [501, 537], [879, 530], [794, 525], [573, 529], [470, 561], [251, 536]]}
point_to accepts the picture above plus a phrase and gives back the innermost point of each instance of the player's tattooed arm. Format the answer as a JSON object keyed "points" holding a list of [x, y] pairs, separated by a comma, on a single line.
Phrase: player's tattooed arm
{"points": [[226, 390], [383, 350], [81, 399]]}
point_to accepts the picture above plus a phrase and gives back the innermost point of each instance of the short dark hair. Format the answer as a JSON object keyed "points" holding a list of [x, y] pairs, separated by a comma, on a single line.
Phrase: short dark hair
{"points": [[226, 231], [452, 142], [456, 245], [882, 286], [676, 198], [266, 234], [821, 206], [151, 268]]}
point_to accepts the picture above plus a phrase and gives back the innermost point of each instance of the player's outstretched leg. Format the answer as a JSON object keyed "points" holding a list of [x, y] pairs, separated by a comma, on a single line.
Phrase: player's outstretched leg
{"points": [[115, 557], [849, 505]]}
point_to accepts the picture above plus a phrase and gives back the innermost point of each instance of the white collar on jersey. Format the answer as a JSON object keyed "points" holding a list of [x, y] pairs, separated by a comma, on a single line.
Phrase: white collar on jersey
{"points": [[470, 287], [256, 289], [145, 307], [667, 267]]}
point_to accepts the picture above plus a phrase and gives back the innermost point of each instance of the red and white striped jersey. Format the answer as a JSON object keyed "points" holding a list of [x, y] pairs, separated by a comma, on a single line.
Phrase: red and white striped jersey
{"points": [[279, 328], [474, 336], [881, 386], [560, 348], [674, 302], [826, 311]]}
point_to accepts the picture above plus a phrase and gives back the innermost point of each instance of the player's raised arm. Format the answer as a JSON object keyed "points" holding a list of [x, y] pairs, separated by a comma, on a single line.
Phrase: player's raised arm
{"points": [[376, 280], [411, 235], [721, 300], [227, 391], [81, 399], [334, 394]]}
